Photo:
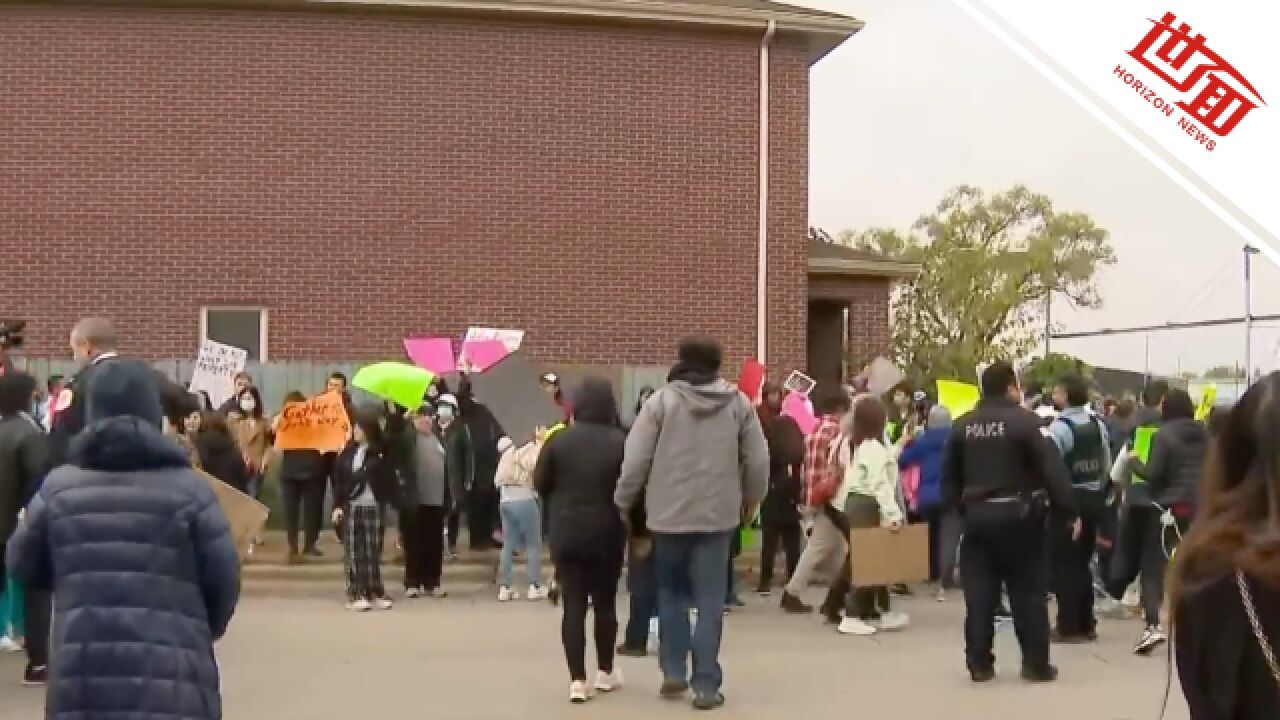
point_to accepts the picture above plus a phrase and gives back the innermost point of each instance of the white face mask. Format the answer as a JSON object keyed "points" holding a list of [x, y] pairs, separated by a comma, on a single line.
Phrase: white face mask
{"points": [[247, 404], [446, 413]]}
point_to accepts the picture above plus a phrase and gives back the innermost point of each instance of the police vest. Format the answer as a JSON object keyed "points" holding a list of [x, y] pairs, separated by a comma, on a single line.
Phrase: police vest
{"points": [[1087, 459], [1143, 436]]}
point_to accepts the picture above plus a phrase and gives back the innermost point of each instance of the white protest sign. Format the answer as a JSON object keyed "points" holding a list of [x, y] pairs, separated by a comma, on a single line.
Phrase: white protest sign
{"points": [[799, 383], [882, 376], [216, 369], [512, 339]]}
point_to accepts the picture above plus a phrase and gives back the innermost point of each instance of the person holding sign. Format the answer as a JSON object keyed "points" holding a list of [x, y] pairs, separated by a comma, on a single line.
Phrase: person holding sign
{"points": [[303, 471]]}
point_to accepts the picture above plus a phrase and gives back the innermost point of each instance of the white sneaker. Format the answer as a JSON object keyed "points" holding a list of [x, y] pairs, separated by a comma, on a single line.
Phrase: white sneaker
{"points": [[505, 594], [8, 644], [360, 605], [383, 603], [536, 593], [608, 682], [436, 592], [894, 621], [412, 593], [578, 692], [855, 626]]}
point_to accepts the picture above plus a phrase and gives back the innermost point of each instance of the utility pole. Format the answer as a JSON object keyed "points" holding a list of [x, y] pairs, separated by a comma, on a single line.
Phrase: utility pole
{"points": [[1249, 252], [1048, 322], [1146, 342]]}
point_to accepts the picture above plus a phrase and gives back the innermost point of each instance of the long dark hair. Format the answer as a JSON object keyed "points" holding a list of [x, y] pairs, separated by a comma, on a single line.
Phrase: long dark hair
{"points": [[251, 391], [1237, 526], [869, 419]]}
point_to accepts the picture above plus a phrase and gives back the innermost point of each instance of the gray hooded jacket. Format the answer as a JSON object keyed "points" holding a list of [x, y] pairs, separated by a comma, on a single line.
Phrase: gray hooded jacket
{"points": [[698, 456]]}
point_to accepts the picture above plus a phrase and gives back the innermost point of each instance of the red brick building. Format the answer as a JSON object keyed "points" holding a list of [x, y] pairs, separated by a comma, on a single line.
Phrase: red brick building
{"points": [[316, 180]]}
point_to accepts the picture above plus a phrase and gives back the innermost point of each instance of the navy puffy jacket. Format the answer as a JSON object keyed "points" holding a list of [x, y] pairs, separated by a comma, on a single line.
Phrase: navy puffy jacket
{"points": [[144, 572]]}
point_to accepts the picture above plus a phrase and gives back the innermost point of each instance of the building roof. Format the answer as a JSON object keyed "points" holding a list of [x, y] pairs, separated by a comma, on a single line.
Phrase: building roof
{"points": [[830, 258], [824, 31]]}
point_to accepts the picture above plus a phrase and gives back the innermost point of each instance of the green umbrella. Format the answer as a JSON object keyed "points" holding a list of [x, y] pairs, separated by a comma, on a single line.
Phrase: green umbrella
{"points": [[401, 383]]}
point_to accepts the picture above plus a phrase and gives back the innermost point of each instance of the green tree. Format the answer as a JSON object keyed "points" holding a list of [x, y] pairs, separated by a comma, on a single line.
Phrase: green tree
{"points": [[1049, 369], [987, 266]]}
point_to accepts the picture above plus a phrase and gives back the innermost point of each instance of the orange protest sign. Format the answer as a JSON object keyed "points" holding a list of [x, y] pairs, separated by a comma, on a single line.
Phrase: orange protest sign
{"points": [[320, 423]]}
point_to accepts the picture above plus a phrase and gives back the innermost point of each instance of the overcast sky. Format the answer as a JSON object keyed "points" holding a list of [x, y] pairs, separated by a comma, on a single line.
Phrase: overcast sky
{"points": [[924, 99]]}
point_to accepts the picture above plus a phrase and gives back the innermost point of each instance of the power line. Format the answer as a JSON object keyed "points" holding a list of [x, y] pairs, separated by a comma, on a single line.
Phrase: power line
{"points": [[1167, 326]]}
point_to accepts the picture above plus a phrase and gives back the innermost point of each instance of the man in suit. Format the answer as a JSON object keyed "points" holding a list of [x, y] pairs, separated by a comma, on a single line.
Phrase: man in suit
{"points": [[93, 342]]}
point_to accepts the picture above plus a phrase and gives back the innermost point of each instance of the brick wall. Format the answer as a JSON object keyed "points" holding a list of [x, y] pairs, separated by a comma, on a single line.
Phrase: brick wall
{"points": [[369, 176]]}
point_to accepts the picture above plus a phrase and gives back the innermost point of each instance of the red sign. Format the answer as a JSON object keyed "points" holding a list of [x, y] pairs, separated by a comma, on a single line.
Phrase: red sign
{"points": [[1214, 96]]}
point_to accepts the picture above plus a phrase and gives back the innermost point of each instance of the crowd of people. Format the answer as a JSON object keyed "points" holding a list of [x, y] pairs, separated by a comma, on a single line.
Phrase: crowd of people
{"points": [[1047, 491]]}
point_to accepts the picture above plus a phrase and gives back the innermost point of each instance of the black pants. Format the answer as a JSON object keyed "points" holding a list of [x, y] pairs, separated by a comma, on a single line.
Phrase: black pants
{"points": [[482, 515], [1072, 577], [422, 533], [37, 605], [303, 505], [1141, 545], [787, 534], [1004, 545], [864, 603], [589, 578]]}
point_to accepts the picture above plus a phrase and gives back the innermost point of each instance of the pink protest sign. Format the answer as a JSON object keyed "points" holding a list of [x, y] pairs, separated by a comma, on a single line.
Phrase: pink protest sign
{"points": [[796, 407], [431, 353], [480, 355]]}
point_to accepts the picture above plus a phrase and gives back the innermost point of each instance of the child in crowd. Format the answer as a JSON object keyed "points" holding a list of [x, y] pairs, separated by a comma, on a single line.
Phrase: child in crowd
{"points": [[521, 517]]}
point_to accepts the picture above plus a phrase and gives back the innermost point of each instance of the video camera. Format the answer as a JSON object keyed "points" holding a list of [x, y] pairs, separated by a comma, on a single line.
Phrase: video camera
{"points": [[11, 333]]}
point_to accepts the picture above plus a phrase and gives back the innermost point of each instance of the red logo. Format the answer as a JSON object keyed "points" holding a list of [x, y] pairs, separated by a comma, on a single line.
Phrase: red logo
{"points": [[1213, 94]]}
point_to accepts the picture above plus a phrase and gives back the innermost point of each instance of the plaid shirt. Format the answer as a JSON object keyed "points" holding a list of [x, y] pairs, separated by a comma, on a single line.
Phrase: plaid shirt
{"points": [[817, 452]]}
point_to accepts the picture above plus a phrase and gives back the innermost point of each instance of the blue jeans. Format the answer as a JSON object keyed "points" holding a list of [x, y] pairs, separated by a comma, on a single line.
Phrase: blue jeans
{"points": [[642, 583], [521, 530], [691, 566]]}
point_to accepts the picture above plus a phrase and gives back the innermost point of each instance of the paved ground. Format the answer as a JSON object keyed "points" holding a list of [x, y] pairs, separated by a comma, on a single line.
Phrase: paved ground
{"points": [[469, 658]]}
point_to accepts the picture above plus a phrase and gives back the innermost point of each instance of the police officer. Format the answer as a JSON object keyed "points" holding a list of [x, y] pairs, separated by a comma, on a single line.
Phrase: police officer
{"points": [[1082, 440], [999, 470], [93, 342]]}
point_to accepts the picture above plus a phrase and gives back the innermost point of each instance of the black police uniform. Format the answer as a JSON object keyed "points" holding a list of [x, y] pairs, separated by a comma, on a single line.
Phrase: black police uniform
{"points": [[1073, 580], [1001, 473], [69, 421]]}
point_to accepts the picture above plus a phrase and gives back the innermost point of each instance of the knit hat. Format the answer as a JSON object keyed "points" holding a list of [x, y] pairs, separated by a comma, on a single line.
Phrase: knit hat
{"points": [[122, 387]]}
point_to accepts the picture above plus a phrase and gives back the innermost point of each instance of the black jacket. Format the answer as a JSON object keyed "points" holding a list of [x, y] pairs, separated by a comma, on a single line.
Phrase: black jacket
{"points": [[401, 458], [459, 461], [24, 460], [577, 473], [998, 451], [1220, 663], [376, 474], [786, 462], [1177, 459], [221, 458]]}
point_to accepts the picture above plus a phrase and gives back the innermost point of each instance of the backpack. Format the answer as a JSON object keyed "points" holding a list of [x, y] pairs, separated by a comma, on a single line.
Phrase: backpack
{"points": [[825, 489]]}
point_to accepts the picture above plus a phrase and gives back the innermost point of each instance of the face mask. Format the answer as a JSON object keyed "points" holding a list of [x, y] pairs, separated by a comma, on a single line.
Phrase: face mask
{"points": [[446, 413], [247, 404]]}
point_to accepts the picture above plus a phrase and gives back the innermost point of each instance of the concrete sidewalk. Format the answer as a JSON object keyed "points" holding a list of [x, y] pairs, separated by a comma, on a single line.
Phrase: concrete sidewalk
{"points": [[467, 657]]}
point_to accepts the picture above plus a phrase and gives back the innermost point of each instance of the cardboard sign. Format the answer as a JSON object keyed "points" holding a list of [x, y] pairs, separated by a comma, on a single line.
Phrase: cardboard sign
{"points": [[751, 380], [431, 353], [320, 423], [882, 376], [245, 516], [216, 369], [798, 382], [512, 393], [880, 556], [957, 397], [797, 408]]}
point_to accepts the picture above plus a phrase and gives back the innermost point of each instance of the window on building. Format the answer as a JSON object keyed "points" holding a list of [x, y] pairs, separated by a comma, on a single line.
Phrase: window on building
{"points": [[242, 327]]}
